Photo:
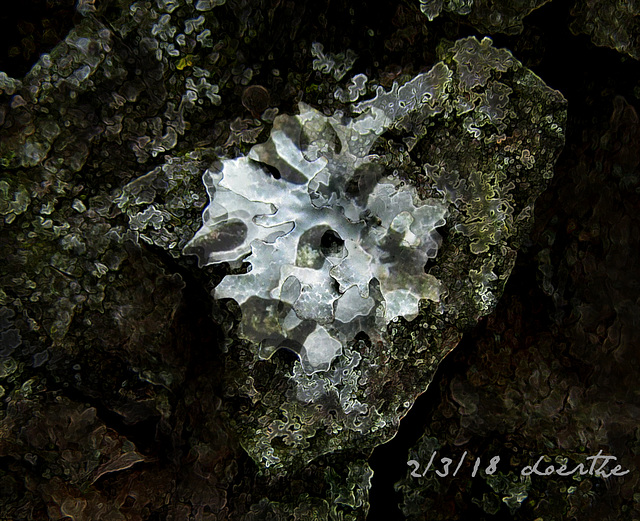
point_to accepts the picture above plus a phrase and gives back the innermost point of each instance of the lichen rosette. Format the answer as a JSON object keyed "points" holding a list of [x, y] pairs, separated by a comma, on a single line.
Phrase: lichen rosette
{"points": [[335, 247]]}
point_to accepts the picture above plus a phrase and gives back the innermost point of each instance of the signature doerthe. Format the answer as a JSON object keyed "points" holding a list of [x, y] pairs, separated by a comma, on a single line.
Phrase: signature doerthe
{"points": [[595, 466]]}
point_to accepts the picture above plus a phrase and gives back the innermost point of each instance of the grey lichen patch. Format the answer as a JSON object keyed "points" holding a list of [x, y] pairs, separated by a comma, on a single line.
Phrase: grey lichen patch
{"points": [[328, 189], [476, 137]]}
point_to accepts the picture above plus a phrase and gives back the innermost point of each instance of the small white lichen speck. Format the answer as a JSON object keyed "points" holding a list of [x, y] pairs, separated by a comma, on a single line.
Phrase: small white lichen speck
{"points": [[335, 246]]}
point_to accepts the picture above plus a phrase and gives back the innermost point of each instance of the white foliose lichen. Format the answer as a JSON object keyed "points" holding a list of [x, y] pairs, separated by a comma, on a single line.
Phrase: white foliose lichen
{"points": [[335, 246]]}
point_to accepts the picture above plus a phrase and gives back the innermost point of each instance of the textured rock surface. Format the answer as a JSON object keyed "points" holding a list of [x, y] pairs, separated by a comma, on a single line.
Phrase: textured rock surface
{"points": [[127, 392], [471, 101], [489, 16], [543, 381], [610, 24]]}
